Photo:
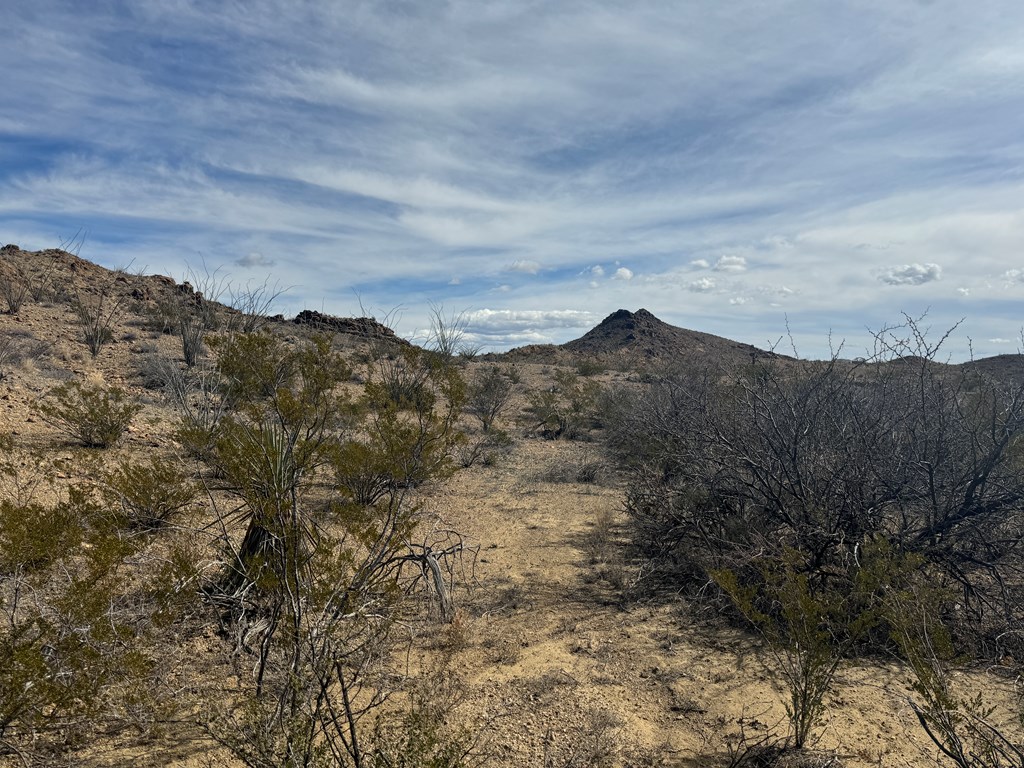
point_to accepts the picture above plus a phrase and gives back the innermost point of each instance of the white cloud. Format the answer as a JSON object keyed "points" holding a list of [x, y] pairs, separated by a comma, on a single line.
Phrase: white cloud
{"points": [[737, 300], [455, 281], [910, 274], [700, 264], [1001, 341], [731, 264], [597, 270], [528, 266], [703, 285], [255, 260], [533, 319], [505, 327], [1014, 275], [623, 274], [964, 291]]}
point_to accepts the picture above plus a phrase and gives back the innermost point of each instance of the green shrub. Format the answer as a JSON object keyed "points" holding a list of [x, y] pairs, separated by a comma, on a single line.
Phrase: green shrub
{"points": [[91, 414], [590, 367], [252, 366], [962, 727], [33, 535], [565, 410], [68, 650], [488, 394], [148, 493], [803, 627]]}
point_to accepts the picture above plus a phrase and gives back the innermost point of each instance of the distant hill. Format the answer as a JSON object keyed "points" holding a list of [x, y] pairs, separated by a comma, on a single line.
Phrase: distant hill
{"points": [[1005, 367], [640, 338], [642, 335]]}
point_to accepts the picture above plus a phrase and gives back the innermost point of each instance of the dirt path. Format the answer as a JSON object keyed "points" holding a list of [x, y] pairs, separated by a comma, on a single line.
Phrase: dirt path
{"points": [[563, 673]]}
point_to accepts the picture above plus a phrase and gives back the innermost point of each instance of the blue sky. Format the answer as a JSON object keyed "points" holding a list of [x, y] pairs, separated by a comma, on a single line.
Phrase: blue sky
{"points": [[727, 166]]}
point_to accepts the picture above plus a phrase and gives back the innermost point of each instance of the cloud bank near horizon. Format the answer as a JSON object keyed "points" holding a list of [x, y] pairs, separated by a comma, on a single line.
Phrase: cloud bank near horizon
{"points": [[730, 168]]}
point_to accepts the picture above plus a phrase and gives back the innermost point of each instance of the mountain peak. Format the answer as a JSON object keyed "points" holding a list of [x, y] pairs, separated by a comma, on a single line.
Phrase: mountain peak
{"points": [[641, 335], [623, 317]]}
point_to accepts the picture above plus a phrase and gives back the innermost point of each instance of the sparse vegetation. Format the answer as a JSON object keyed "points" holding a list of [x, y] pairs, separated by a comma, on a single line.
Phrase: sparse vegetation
{"points": [[961, 727], [317, 584], [816, 466], [18, 348], [147, 493], [70, 643], [488, 395], [197, 312], [252, 305], [94, 415], [325, 579], [15, 290], [565, 409]]}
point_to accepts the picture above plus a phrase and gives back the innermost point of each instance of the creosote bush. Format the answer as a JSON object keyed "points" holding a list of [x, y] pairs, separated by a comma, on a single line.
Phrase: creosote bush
{"points": [[94, 415], [961, 727], [809, 624], [147, 493], [566, 409], [70, 651], [488, 394]]}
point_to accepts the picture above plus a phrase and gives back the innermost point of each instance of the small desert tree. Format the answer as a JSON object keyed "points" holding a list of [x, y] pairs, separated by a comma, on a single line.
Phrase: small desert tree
{"points": [[315, 581]]}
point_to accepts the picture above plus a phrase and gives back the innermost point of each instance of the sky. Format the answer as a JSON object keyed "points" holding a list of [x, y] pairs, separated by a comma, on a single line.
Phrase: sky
{"points": [[739, 168]]}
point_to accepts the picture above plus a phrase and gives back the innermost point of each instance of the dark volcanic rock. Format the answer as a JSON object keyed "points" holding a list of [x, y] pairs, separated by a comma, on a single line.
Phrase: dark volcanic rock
{"points": [[642, 336], [364, 327]]}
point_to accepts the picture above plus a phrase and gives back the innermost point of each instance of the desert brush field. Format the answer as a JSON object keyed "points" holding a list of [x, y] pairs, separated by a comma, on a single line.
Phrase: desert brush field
{"points": [[230, 538]]}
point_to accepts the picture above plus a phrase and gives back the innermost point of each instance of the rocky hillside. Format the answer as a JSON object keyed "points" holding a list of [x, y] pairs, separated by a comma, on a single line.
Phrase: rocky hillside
{"points": [[642, 336], [639, 339]]}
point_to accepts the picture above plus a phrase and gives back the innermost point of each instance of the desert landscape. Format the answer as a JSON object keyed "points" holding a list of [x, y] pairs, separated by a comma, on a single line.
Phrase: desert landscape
{"points": [[234, 538]]}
